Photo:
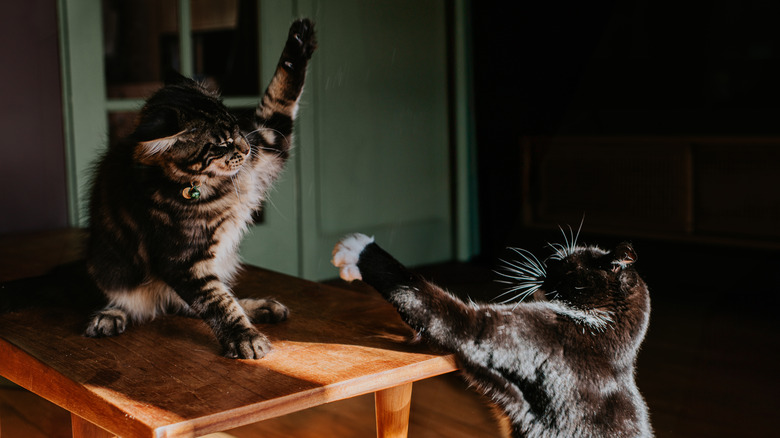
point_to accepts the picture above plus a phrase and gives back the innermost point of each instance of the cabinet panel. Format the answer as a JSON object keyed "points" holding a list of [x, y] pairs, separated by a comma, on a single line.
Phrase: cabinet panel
{"points": [[376, 159], [714, 189], [615, 184], [738, 188]]}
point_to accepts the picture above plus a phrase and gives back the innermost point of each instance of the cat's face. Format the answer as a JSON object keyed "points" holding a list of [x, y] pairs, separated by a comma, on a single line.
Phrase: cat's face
{"points": [[186, 131], [583, 276], [588, 277]]}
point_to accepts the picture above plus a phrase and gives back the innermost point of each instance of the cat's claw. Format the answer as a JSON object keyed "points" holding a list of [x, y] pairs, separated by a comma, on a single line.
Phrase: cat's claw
{"points": [[250, 344], [107, 322], [301, 42], [347, 253]]}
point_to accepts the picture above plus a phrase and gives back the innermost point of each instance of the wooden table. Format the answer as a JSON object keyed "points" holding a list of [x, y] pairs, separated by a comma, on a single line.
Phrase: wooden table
{"points": [[167, 379]]}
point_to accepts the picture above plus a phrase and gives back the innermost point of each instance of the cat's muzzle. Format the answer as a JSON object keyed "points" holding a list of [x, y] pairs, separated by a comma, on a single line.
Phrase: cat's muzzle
{"points": [[235, 161]]}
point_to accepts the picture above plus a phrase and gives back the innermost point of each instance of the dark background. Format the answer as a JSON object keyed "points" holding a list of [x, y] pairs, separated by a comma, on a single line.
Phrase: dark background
{"points": [[614, 68]]}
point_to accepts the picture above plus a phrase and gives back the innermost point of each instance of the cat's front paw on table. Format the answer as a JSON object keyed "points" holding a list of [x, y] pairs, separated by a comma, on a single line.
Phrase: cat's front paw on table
{"points": [[247, 344], [107, 322]]}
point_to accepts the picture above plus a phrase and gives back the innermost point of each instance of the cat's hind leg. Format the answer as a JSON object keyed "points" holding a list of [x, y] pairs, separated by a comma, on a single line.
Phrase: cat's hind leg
{"points": [[264, 310]]}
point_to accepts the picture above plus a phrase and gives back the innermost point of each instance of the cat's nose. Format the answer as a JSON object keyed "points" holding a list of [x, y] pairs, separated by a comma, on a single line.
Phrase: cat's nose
{"points": [[241, 145]]}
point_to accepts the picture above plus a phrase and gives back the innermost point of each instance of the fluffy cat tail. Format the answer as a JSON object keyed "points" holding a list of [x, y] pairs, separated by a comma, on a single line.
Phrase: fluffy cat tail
{"points": [[65, 286]]}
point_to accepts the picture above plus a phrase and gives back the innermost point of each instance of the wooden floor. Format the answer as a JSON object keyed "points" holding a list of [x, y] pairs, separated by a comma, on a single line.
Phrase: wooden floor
{"points": [[708, 367]]}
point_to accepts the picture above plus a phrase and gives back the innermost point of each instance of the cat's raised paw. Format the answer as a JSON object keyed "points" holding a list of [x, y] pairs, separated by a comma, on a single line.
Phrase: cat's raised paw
{"points": [[249, 344], [107, 322], [301, 42], [347, 253]]}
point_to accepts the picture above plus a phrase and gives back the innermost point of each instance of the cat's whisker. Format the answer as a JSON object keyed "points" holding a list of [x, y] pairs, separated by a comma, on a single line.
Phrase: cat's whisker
{"points": [[560, 251], [566, 245], [515, 282], [519, 297], [579, 229], [525, 276], [518, 272], [569, 245], [520, 288], [235, 186], [267, 149], [531, 261], [524, 289]]}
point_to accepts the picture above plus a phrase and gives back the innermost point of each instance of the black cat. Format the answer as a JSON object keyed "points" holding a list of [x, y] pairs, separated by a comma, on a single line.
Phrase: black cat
{"points": [[560, 366]]}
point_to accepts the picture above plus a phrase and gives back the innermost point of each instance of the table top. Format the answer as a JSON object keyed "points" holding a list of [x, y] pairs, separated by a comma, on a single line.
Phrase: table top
{"points": [[166, 377]]}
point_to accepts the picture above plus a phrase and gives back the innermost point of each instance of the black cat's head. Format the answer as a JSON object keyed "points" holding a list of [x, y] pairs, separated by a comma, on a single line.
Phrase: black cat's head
{"points": [[589, 277], [186, 130], [584, 277]]}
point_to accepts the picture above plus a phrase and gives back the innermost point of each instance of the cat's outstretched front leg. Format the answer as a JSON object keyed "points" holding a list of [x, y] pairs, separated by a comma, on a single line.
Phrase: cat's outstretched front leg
{"points": [[279, 105], [433, 312]]}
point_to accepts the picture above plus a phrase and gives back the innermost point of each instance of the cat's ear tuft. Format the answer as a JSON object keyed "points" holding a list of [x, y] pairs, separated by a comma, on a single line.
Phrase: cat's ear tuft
{"points": [[157, 131], [146, 149], [173, 77], [623, 257], [157, 123]]}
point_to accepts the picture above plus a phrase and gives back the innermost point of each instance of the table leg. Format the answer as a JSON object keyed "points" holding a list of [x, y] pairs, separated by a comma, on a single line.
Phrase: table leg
{"points": [[84, 429], [392, 411]]}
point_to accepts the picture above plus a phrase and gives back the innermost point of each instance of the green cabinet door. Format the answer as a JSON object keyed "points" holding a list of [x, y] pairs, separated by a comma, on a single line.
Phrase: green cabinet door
{"points": [[374, 141]]}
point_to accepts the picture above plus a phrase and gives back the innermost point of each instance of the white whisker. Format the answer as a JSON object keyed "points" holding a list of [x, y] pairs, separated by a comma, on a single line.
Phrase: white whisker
{"points": [[524, 276], [267, 149], [235, 186]]}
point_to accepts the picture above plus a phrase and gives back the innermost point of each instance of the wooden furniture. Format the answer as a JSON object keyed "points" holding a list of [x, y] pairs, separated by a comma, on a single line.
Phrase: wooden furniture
{"points": [[701, 189], [167, 379]]}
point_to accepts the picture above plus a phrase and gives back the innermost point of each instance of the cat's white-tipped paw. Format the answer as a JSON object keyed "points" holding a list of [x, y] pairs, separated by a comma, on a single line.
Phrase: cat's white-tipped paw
{"points": [[347, 253]]}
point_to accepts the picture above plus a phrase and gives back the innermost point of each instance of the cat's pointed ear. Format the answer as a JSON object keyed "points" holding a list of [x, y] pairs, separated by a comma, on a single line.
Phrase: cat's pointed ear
{"points": [[623, 256], [157, 131], [173, 77]]}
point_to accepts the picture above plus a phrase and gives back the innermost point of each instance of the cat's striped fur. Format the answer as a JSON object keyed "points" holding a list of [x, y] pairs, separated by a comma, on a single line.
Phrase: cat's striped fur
{"points": [[170, 204], [558, 367]]}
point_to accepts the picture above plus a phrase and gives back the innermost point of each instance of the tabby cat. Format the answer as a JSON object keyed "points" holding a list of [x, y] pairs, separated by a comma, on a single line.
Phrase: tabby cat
{"points": [[559, 366], [170, 204]]}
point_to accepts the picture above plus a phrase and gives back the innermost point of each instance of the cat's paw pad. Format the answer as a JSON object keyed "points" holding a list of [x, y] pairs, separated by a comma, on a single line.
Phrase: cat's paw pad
{"points": [[347, 253], [301, 42], [246, 344], [264, 310], [107, 322]]}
